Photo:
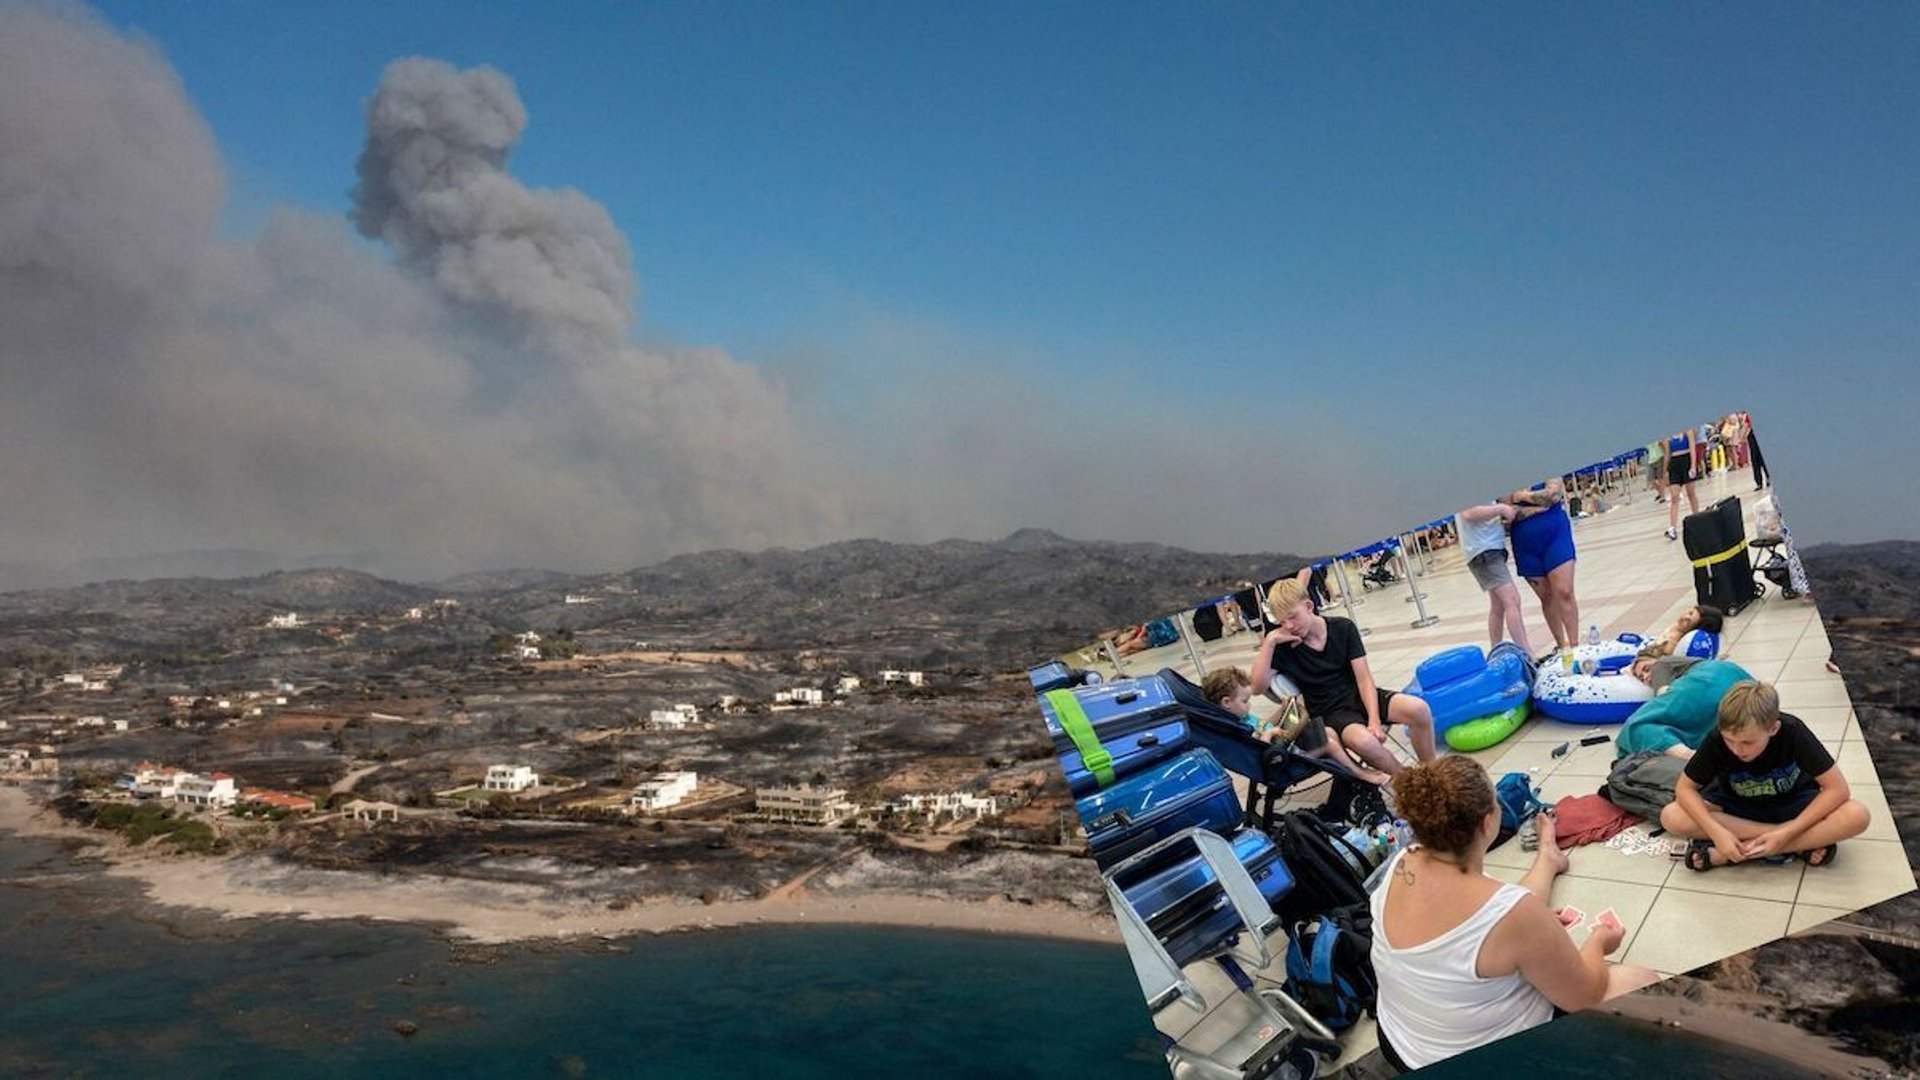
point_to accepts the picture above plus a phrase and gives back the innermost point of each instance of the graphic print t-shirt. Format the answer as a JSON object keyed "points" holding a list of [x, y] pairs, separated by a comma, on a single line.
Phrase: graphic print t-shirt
{"points": [[1325, 678], [1791, 761]]}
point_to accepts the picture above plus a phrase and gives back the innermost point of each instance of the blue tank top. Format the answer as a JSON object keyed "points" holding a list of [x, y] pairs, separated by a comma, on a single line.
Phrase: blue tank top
{"points": [[1677, 444]]}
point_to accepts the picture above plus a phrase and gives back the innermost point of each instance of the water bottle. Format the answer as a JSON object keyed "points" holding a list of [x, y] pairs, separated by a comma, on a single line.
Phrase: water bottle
{"points": [[1593, 633]]}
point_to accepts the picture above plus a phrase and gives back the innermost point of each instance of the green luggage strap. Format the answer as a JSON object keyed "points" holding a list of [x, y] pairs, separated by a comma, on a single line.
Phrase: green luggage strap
{"points": [[1073, 721]]}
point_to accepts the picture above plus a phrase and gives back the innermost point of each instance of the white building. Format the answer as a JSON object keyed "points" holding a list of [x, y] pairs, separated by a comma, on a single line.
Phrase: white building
{"points": [[910, 678], [957, 804], [526, 652], [216, 789], [527, 637], [415, 614], [152, 781], [510, 778], [120, 725], [847, 684], [291, 620], [15, 760], [576, 598], [73, 678], [800, 695], [98, 686], [806, 804], [662, 790], [675, 717]]}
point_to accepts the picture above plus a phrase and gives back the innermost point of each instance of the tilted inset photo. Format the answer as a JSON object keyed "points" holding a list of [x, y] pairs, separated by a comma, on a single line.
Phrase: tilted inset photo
{"points": [[1400, 803]]}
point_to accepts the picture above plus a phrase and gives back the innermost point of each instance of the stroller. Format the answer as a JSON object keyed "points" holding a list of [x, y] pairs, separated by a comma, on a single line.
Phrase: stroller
{"points": [[1380, 572], [1772, 563]]}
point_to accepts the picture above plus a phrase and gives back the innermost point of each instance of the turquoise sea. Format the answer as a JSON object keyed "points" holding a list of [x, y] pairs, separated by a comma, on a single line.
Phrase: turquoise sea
{"points": [[92, 987]]}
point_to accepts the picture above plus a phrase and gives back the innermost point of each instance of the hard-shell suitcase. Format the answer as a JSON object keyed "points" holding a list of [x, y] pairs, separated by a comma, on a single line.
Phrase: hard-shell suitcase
{"points": [[1052, 675], [1183, 905], [1185, 792], [1716, 542], [1134, 723]]}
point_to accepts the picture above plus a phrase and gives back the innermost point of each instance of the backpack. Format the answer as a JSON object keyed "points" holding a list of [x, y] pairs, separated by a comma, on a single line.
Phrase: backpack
{"points": [[1330, 966], [1518, 804], [1322, 864]]}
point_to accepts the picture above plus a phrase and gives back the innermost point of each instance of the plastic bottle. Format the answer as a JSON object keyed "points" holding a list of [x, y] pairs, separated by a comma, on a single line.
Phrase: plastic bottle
{"points": [[1593, 633]]}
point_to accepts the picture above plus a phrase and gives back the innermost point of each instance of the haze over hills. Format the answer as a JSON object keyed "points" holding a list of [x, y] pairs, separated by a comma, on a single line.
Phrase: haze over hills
{"points": [[955, 602]]}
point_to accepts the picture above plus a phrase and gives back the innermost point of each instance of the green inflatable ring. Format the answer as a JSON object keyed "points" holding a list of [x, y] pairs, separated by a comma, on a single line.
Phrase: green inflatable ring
{"points": [[1487, 730]]}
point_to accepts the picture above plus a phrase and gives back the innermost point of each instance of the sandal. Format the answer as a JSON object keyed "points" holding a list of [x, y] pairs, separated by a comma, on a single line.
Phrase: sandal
{"points": [[1821, 856], [1700, 856]]}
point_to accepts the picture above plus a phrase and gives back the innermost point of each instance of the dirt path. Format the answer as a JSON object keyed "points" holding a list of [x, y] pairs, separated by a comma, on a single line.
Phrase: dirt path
{"points": [[345, 784]]}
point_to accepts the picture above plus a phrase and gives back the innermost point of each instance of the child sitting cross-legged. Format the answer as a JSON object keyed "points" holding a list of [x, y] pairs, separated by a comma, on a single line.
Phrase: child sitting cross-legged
{"points": [[1761, 787]]}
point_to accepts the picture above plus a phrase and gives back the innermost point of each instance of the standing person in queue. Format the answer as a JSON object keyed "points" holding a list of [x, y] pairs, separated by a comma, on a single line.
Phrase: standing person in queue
{"points": [[1679, 478], [1462, 958], [1762, 477], [1483, 537], [1324, 657], [1542, 535]]}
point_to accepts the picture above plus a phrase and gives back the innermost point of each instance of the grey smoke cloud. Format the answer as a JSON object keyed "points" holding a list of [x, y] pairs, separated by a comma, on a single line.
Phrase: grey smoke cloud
{"points": [[472, 396], [474, 401], [433, 185]]}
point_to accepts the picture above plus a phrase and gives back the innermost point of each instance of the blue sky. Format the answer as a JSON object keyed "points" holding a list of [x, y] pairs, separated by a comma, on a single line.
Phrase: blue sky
{"points": [[1508, 237]]}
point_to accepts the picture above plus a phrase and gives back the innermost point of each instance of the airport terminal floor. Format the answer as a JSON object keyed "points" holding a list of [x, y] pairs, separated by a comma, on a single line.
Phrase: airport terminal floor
{"points": [[1630, 578]]}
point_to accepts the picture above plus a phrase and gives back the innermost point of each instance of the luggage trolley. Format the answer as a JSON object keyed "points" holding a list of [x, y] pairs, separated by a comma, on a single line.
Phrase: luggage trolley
{"points": [[1191, 900]]}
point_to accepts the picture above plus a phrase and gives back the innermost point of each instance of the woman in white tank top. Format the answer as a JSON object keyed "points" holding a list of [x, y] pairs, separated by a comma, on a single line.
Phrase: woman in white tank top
{"points": [[1463, 959]]}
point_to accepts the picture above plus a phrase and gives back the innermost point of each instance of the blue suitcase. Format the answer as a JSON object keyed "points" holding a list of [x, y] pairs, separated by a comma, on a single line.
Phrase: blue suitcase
{"points": [[1137, 721], [1189, 791], [1053, 675], [1184, 909]]}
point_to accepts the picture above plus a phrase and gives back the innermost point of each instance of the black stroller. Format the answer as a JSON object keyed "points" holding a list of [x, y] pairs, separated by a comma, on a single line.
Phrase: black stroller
{"points": [[1380, 572], [1772, 552]]}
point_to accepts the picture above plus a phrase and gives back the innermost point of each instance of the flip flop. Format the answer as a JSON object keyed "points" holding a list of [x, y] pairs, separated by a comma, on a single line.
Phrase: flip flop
{"points": [[1827, 855], [1700, 856]]}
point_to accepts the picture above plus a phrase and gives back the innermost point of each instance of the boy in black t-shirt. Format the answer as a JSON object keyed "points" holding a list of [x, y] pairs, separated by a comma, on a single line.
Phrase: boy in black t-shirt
{"points": [[1324, 658], [1765, 787]]}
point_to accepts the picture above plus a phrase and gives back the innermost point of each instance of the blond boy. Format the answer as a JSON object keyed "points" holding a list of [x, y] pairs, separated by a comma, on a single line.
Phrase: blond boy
{"points": [[1762, 787]]}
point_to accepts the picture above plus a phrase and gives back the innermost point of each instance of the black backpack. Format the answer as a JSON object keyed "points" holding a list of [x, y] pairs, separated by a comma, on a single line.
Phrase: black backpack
{"points": [[1330, 966], [1324, 880]]}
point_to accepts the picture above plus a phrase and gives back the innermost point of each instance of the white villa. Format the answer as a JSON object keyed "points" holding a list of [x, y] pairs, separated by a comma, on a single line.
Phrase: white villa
{"points": [[415, 614], [510, 778], [216, 789], [576, 598], [800, 695], [527, 637], [847, 684], [291, 620], [662, 790], [806, 804], [956, 804], [911, 678], [526, 652], [675, 718], [152, 781]]}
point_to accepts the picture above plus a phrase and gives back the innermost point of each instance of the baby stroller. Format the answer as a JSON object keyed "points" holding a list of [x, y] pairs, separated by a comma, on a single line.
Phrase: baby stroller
{"points": [[1380, 572], [1773, 564]]}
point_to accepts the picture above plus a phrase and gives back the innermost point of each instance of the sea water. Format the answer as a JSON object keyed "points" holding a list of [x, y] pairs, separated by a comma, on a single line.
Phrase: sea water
{"points": [[91, 985]]}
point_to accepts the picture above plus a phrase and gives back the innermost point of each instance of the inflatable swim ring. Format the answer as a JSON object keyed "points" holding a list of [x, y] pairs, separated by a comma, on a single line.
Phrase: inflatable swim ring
{"points": [[1604, 691], [1477, 699], [1487, 730]]}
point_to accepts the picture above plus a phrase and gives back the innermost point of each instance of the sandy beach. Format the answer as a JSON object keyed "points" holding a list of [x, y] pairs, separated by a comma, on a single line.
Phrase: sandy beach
{"points": [[251, 886], [1729, 1022]]}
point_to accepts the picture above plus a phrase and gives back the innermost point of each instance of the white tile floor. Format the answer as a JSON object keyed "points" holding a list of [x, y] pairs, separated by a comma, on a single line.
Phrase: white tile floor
{"points": [[1631, 578]]}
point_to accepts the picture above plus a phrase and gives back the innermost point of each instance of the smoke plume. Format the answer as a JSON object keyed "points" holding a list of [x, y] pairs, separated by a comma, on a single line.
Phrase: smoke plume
{"points": [[477, 400]]}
